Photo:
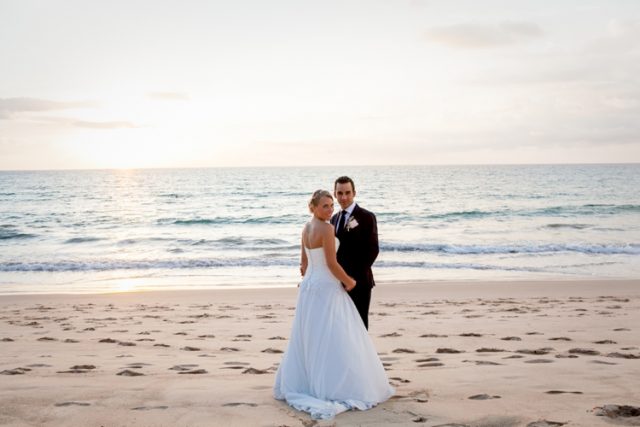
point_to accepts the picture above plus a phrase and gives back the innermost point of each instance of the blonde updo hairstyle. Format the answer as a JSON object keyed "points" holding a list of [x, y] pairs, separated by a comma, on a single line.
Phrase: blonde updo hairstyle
{"points": [[316, 197]]}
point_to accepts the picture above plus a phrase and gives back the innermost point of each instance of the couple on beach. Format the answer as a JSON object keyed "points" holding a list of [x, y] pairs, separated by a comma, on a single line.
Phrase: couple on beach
{"points": [[331, 365]]}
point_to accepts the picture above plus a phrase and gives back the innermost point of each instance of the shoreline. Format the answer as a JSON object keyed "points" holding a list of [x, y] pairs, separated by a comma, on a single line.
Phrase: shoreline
{"points": [[405, 284]]}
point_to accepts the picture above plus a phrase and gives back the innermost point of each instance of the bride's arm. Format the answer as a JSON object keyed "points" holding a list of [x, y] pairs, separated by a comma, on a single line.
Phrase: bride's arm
{"points": [[329, 247], [303, 256]]}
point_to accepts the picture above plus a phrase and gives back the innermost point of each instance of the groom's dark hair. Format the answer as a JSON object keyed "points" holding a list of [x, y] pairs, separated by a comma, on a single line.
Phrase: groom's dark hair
{"points": [[344, 180]]}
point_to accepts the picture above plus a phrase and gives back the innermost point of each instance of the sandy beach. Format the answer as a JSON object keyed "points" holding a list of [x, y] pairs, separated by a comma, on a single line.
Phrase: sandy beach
{"points": [[459, 354]]}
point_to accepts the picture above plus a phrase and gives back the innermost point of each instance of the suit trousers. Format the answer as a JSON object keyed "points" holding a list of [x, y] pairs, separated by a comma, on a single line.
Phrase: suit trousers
{"points": [[361, 296]]}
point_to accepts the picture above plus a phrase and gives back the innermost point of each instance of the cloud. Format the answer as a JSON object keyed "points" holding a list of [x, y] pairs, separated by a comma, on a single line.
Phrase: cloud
{"points": [[88, 124], [11, 106], [168, 96], [103, 125], [479, 36]]}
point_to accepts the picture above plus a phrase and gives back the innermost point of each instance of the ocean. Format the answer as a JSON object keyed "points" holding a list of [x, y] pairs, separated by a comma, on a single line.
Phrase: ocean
{"points": [[154, 229]]}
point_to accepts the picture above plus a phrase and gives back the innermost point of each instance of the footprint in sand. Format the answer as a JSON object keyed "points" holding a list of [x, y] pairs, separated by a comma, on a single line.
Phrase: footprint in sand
{"points": [[483, 397], [624, 355], [420, 396], [401, 380], [229, 349], [16, 371], [490, 350], [538, 361], [584, 351], [255, 371], [546, 423], [511, 339], [538, 351], [148, 408], [186, 367], [161, 345], [615, 411], [482, 362], [195, 372], [605, 342], [391, 335], [187, 348], [138, 365], [78, 369], [560, 339], [470, 334], [562, 392], [63, 404], [85, 367], [433, 336], [277, 338], [272, 350], [430, 359], [449, 351], [234, 404], [130, 373], [403, 350]]}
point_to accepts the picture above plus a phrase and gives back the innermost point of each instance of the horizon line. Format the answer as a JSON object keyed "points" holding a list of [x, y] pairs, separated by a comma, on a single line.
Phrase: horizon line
{"points": [[317, 166]]}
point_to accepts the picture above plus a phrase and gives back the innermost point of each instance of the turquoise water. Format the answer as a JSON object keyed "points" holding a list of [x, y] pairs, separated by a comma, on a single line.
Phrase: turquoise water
{"points": [[97, 231]]}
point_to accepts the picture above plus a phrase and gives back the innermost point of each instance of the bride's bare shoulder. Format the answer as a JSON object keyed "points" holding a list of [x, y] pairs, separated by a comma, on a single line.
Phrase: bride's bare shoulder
{"points": [[327, 228]]}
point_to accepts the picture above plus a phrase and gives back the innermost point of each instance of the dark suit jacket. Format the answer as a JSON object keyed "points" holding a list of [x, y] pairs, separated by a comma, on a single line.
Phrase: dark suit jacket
{"points": [[358, 246]]}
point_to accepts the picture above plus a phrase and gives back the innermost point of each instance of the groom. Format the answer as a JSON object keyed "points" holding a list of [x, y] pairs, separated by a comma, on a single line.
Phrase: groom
{"points": [[357, 230]]}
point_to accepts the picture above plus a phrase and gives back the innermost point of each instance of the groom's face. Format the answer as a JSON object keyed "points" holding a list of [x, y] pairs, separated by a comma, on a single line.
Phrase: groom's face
{"points": [[344, 194]]}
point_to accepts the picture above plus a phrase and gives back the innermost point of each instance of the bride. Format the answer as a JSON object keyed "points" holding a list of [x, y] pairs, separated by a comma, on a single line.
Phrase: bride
{"points": [[330, 365]]}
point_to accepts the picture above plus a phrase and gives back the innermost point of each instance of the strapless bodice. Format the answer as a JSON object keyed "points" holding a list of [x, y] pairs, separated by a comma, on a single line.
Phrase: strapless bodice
{"points": [[318, 270]]}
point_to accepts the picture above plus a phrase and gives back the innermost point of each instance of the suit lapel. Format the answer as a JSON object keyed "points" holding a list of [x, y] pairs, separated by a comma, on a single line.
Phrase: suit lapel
{"points": [[353, 215]]}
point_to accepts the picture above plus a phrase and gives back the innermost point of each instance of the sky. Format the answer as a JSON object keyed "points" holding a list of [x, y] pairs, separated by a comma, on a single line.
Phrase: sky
{"points": [[138, 83]]}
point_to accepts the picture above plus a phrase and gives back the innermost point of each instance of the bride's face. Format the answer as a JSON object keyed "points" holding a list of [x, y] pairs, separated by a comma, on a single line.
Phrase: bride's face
{"points": [[324, 209]]}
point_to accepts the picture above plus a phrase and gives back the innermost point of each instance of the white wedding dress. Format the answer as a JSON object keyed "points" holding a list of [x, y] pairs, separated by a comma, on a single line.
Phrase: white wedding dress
{"points": [[330, 365]]}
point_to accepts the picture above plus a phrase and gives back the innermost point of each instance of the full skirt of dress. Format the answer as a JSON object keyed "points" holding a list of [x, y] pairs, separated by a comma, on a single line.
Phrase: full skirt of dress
{"points": [[330, 365]]}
